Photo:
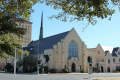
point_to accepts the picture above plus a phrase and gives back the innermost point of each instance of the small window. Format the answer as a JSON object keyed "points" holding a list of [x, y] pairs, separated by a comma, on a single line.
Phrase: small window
{"points": [[18, 37], [98, 52], [27, 41], [21, 37], [12, 33], [24, 44], [22, 25], [26, 26], [28, 29], [25, 35], [102, 60], [118, 53], [108, 60], [28, 35], [113, 59], [19, 24], [28, 32], [119, 60], [27, 38], [65, 66]]}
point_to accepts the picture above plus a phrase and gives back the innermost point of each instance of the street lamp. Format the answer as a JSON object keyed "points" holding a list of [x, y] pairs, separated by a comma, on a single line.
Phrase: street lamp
{"points": [[37, 59]]}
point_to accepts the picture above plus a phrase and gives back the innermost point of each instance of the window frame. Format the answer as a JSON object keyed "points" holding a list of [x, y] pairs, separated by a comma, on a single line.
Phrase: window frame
{"points": [[118, 53], [113, 59], [108, 60], [98, 52], [73, 50]]}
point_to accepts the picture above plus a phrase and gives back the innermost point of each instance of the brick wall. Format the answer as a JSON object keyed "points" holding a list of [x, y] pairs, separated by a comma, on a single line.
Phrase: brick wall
{"points": [[2, 64]]}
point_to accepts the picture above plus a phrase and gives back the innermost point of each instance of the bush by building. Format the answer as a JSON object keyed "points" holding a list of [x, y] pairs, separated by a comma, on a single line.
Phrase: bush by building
{"points": [[65, 71]]}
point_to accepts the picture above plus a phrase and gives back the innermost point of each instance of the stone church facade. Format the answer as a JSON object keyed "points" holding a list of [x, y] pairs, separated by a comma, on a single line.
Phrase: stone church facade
{"points": [[67, 51]]}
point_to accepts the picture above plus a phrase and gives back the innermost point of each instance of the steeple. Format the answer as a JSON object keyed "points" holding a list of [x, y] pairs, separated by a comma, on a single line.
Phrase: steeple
{"points": [[41, 29]]}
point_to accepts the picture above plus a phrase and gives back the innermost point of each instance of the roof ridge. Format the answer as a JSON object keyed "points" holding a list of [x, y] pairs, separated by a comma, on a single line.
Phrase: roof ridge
{"points": [[56, 34]]}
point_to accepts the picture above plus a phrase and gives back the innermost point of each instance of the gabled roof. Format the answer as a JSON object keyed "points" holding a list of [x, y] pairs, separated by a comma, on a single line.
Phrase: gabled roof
{"points": [[46, 43], [114, 51]]}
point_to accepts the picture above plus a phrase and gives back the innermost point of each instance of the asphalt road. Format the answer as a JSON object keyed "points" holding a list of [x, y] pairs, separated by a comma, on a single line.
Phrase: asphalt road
{"points": [[10, 76]]}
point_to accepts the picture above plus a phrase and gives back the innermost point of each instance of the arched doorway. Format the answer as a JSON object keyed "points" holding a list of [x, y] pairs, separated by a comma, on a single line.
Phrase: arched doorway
{"points": [[73, 67], [101, 68], [108, 69]]}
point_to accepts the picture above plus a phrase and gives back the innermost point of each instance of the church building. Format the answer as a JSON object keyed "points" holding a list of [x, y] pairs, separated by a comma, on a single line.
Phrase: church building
{"points": [[67, 51]]}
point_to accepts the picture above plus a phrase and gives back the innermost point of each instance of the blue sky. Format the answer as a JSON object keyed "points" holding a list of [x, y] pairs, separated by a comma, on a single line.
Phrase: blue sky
{"points": [[105, 32]]}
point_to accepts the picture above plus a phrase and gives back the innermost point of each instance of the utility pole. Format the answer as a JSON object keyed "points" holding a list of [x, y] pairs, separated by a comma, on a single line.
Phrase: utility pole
{"points": [[16, 53], [37, 59]]}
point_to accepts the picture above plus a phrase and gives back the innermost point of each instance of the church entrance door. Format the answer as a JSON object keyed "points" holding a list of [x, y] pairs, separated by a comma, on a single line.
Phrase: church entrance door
{"points": [[101, 68], [73, 67], [108, 69]]}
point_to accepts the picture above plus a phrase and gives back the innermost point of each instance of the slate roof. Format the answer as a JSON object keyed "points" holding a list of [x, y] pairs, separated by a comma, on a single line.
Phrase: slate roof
{"points": [[46, 43], [114, 51], [106, 52], [27, 48]]}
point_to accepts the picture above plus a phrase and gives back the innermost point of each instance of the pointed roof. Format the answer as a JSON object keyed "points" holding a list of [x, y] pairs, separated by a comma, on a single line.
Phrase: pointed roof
{"points": [[114, 51], [106, 52], [46, 43], [41, 28]]}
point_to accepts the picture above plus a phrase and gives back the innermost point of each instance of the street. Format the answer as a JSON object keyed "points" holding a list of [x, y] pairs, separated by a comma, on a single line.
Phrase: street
{"points": [[10, 76]]}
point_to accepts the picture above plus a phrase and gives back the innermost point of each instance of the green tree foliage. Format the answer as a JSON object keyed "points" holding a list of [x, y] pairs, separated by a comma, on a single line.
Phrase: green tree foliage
{"points": [[28, 61], [84, 9], [8, 43], [17, 8], [10, 9]]}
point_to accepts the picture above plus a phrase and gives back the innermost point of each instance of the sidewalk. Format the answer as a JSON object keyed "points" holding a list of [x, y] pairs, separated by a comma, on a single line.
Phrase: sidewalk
{"points": [[105, 78], [73, 73]]}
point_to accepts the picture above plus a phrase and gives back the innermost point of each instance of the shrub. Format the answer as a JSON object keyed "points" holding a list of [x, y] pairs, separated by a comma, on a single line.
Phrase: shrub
{"points": [[34, 69], [45, 69], [82, 71], [65, 71], [8, 66], [52, 71], [117, 71]]}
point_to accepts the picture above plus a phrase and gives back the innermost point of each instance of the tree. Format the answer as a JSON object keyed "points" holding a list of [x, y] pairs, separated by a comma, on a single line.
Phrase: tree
{"points": [[17, 8], [8, 43], [84, 9], [10, 9], [28, 61]]}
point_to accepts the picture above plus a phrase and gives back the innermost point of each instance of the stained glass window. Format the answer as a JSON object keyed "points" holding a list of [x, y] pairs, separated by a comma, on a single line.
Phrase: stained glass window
{"points": [[72, 50]]}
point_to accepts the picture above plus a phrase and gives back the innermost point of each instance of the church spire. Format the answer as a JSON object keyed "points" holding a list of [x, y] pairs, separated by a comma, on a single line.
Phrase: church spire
{"points": [[41, 29]]}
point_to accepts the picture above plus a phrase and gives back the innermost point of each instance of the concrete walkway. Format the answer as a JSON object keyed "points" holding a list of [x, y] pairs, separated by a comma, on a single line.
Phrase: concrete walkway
{"points": [[74, 73], [105, 78]]}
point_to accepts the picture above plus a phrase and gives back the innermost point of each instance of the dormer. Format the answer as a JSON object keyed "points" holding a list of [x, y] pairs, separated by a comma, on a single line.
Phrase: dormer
{"points": [[118, 52], [115, 51]]}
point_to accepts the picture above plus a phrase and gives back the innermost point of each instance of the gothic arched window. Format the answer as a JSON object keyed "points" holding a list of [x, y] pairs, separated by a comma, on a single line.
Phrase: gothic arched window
{"points": [[72, 50]]}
